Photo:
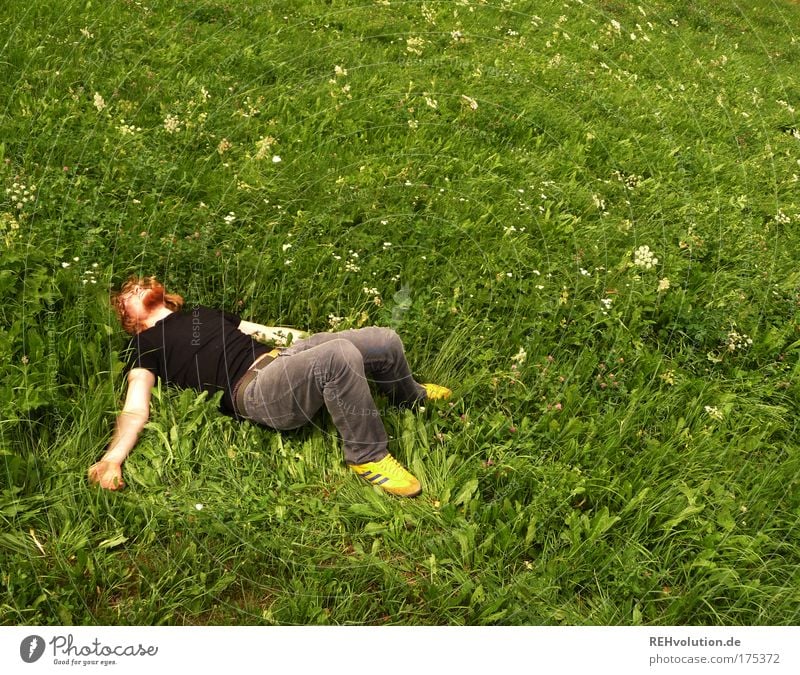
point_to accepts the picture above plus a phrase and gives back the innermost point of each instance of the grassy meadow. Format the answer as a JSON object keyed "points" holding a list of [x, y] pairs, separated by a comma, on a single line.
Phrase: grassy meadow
{"points": [[581, 215]]}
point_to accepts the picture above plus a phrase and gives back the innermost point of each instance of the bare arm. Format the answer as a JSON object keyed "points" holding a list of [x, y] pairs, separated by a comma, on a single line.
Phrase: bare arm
{"points": [[276, 334], [130, 422]]}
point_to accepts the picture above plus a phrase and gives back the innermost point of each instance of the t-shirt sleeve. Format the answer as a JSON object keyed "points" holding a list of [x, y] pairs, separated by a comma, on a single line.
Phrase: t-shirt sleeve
{"points": [[140, 355], [232, 318]]}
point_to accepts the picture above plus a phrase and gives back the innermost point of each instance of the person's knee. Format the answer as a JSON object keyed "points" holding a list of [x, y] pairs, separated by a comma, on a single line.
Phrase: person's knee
{"points": [[389, 339], [343, 353]]}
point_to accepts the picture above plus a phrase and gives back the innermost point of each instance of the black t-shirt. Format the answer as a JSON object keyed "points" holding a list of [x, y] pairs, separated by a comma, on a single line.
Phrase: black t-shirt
{"points": [[201, 349]]}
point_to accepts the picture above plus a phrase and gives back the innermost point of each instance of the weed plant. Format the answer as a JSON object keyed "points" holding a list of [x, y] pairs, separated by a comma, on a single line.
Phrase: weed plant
{"points": [[582, 215]]}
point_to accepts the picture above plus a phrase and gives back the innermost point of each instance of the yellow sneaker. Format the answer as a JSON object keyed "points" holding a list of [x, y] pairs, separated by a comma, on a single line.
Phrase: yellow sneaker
{"points": [[389, 475], [437, 391]]}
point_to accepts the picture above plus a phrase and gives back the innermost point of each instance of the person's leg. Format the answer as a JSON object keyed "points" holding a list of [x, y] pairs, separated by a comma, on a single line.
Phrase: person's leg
{"points": [[323, 371], [383, 357]]}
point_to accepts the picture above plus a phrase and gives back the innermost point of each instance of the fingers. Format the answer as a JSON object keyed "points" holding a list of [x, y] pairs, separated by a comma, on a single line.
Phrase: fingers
{"points": [[108, 475]]}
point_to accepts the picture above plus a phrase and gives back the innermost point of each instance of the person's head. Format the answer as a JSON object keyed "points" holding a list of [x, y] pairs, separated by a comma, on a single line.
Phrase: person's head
{"points": [[138, 298]]}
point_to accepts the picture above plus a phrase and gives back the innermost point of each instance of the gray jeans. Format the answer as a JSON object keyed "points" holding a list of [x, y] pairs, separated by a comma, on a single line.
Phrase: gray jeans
{"points": [[331, 369]]}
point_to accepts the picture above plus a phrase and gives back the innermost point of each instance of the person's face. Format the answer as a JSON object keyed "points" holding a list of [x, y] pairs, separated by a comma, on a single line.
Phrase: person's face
{"points": [[140, 302]]}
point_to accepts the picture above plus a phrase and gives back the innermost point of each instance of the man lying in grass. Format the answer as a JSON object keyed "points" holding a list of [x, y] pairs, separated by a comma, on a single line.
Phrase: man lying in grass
{"points": [[211, 350]]}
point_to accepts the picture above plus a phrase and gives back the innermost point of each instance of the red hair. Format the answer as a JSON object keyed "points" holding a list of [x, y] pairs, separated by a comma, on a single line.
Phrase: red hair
{"points": [[170, 300]]}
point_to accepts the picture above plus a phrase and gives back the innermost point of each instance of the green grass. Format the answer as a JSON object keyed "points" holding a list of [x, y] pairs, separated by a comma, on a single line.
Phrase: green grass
{"points": [[490, 168]]}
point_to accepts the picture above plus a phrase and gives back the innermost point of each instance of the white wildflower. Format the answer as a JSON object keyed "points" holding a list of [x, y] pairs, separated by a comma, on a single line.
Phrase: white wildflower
{"points": [[276, 159], [643, 257], [520, 356], [737, 340], [663, 285], [414, 45], [338, 71], [286, 247], [172, 124], [128, 129], [99, 103], [263, 146], [713, 412], [599, 202], [469, 102], [334, 321], [230, 217]]}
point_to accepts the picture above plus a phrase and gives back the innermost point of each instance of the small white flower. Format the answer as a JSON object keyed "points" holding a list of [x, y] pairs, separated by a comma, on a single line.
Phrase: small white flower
{"points": [[172, 124], [387, 244], [230, 217], [520, 356], [198, 506], [663, 285], [414, 45], [99, 103], [738, 340], [339, 71], [599, 202], [276, 159], [286, 247], [469, 101], [643, 257]]}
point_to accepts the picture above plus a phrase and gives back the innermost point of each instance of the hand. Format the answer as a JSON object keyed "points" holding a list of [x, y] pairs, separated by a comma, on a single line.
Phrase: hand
{"points": [[108, 474]]}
